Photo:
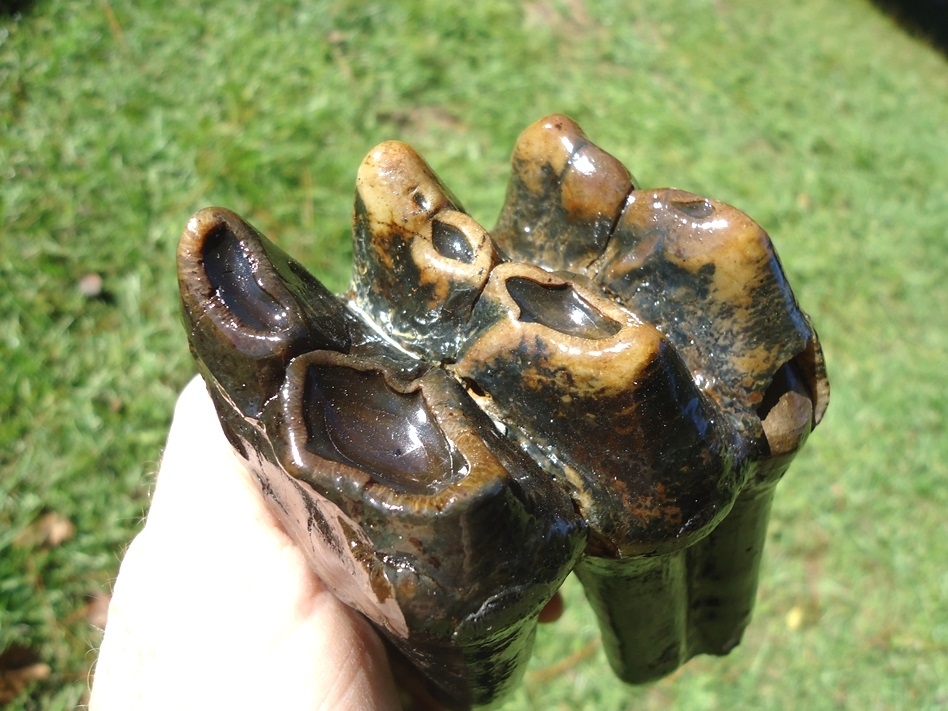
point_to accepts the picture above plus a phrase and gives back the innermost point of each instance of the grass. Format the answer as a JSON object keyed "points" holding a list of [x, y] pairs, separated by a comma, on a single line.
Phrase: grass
{"points": [[819, 118]]}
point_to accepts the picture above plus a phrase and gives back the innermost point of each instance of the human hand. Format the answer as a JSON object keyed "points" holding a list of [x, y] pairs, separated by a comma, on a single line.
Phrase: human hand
{"points": [[215, 607]]}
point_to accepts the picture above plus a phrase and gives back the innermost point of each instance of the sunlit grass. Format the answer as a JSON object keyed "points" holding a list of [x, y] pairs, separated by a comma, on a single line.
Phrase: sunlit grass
{"points": [[118, 120]]}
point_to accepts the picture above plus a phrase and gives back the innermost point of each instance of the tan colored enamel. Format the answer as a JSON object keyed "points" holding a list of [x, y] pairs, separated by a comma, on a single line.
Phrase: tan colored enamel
{"points": [[738, 247], [601, 367], [550, 141], [788, 423], [596, 184], [446, 273], [399, 189]]}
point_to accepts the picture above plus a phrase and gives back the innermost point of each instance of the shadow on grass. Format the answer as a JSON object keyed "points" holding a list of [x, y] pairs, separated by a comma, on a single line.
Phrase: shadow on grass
{"points": [[927, 19], [9, 8]]}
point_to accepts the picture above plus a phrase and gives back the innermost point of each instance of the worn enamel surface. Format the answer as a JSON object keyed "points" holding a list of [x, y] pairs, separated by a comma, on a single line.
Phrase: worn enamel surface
{"points": [[612, 381]]}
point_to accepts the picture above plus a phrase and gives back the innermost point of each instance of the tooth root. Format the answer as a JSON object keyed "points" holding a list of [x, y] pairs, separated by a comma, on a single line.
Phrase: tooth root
{"points": [[642, 608], [726, 568], [727, 562]]}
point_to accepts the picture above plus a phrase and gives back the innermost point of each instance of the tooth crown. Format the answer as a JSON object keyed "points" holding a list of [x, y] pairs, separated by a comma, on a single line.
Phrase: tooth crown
{"points": [[611, 381]]}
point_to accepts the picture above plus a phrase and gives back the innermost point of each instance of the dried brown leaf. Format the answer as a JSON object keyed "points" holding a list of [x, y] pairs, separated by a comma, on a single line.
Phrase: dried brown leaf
{"points": [[49, 530], [19, 667]]}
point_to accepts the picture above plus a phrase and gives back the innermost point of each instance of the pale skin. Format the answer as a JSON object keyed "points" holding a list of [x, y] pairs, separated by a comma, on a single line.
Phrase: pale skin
{"points": [[215, 607]]}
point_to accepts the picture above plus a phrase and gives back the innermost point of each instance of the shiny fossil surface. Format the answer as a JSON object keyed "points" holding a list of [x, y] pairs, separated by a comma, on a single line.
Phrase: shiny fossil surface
{"points": [[611, 381]]}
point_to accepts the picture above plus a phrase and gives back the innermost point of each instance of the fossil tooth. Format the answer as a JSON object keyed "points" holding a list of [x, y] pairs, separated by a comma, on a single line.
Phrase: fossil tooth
{"points": [[612, 382]]}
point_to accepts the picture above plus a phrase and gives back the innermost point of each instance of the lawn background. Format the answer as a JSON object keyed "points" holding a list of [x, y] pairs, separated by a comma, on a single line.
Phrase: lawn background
{"points": [[820, 118]]}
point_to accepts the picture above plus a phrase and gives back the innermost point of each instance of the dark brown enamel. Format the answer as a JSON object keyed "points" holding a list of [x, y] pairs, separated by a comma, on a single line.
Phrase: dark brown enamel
{"points": [[707, 276], [457, 623], [374, 466], [249, 308], [613, 381], [645, 461]]}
